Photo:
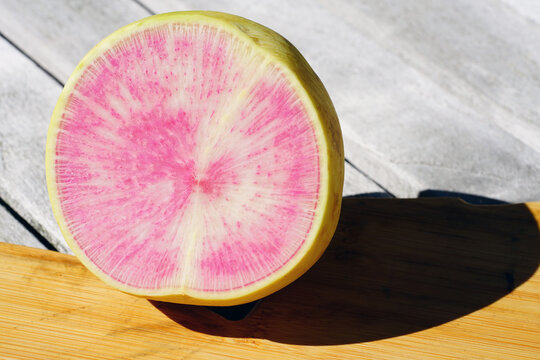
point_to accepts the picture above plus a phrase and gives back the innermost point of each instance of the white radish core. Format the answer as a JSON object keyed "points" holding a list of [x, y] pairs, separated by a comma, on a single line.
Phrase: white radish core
{"points": [[186, 160]]}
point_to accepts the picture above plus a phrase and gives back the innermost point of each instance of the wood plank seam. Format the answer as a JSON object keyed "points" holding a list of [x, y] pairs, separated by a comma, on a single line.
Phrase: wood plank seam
{"points": [[27, 225], [146, 8], [390, 194], [41, 67]]}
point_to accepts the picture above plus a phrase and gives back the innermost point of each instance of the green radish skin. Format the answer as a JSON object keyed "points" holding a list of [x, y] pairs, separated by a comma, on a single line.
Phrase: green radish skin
{"points": [[195, 157]]}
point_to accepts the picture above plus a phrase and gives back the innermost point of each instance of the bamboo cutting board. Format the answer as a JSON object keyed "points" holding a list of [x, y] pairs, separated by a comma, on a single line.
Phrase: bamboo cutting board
{"points": [[402, 279]]}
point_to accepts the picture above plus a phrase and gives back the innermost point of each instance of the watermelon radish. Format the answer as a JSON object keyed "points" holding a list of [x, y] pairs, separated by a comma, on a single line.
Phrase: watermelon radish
{"points": [[195, 157]]}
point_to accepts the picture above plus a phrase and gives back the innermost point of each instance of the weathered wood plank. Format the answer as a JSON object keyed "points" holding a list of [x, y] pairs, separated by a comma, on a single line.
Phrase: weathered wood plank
{"points": [[483, 53], [529, 9], [28, 96], [58, 33], [431, 94], [486, 58], [13, 232]]}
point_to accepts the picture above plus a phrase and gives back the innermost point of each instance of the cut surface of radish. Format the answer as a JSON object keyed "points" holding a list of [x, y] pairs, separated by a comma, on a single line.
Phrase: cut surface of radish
{"points": [[187, 162]]}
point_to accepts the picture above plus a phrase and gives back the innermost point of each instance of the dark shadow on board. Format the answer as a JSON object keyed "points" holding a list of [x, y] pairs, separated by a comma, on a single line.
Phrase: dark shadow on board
{"points": [[470, 198], [377, 195], [394, 267]]}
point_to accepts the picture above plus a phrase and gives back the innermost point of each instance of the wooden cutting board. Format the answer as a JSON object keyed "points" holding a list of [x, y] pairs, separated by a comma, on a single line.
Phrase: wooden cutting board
{"points": [[402, 279]]}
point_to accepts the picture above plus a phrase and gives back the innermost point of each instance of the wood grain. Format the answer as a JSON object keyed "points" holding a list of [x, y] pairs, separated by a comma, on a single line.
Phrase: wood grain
{"points": [[416, 279]]}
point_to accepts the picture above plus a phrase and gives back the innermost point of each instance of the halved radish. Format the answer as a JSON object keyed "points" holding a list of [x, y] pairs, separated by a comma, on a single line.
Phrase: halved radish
{"points": [[195, 157]]}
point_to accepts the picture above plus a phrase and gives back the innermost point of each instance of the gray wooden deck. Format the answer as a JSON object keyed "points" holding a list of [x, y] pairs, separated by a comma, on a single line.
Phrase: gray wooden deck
{"points": [[434, 97]]}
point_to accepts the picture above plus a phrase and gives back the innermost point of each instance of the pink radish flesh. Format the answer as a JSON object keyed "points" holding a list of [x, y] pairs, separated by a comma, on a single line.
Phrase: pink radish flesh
{"points": [[185, 159]]}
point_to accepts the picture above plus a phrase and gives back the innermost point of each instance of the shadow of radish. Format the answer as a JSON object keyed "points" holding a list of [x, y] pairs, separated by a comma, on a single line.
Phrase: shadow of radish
{"points": [[394, 267]]}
